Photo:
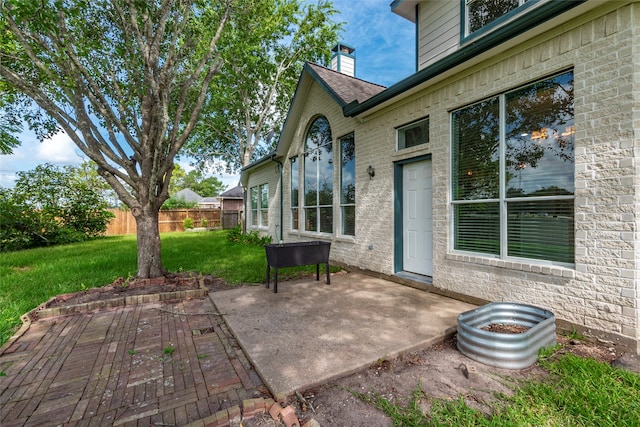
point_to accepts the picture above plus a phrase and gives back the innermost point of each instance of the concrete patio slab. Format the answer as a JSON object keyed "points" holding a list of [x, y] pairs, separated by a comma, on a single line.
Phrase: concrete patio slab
{"points": [[309, 332]]}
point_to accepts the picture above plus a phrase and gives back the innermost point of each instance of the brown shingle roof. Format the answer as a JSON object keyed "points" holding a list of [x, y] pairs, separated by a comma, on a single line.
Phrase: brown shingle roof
{"points": [[346, 88]]}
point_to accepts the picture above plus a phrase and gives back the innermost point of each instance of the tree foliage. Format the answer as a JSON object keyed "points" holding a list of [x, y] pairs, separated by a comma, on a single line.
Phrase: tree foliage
{"points": [[49, 206], [124, 79], [196, 181], [264, 56], [127, 81]]}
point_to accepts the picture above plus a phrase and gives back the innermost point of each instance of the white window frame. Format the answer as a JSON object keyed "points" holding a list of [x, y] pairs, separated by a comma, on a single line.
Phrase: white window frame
{"points": [[257, 210], [317, 206], [502, 200]]}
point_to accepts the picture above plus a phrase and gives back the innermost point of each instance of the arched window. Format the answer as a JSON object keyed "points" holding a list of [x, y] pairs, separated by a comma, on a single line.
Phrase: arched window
{"points": [[318, 177]]}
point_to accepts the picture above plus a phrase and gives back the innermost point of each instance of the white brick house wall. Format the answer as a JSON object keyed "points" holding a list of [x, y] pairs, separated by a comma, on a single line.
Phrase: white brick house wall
{"points": [[601, 293], [265, 174]]}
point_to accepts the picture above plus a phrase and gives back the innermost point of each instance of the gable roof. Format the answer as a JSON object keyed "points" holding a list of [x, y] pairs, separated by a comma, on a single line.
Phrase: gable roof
{"points": [[232, 193], [343, 88], [208, 200]]}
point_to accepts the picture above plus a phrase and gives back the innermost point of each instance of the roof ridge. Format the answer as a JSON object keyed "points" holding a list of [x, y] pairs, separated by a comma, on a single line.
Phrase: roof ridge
{"points": [[313, 64]]}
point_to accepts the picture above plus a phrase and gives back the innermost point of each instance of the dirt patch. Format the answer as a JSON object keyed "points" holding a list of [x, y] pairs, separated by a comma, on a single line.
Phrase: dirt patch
{"points": [[441, 371]]}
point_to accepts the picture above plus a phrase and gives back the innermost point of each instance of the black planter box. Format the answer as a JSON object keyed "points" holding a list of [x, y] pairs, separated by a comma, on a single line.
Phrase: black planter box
{"points": [[297, 254]]}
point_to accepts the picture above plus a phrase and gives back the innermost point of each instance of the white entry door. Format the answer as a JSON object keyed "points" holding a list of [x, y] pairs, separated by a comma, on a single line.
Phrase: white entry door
{"points": [[417, 246]]}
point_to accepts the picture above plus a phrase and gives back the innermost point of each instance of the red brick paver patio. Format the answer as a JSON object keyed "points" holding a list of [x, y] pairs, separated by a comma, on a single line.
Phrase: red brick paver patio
{"points": [[147, 364]]}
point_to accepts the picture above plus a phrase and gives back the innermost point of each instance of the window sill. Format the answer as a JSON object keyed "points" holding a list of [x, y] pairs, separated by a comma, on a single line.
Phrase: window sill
{"points": [[345, 238], [310, 234], [546, 269]]}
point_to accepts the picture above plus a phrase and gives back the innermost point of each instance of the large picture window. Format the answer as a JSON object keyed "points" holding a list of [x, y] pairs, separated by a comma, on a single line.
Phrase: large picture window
{"points": [[348, 185], [482, 13], [513, 173], [318, 177]]}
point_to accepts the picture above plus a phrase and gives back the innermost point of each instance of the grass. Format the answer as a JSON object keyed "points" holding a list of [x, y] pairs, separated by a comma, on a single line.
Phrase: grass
{"points": [[577, 392], [30, 277]]}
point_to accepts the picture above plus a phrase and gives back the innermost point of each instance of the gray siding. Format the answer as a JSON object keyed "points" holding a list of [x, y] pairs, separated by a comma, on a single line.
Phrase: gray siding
{"points": [[438, 30]]}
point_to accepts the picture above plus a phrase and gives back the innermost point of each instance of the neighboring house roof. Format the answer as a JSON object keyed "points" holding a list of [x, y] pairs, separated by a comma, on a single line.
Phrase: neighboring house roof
{"points": [[232, 193], [208, 200], [188, 195]]}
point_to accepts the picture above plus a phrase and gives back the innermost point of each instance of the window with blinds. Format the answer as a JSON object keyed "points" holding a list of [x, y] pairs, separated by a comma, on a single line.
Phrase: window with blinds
{"points": [[513, 173]]}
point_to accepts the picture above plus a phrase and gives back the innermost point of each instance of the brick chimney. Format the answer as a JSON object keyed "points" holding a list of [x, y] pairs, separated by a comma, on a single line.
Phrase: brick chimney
{"points": [[343, 59]]}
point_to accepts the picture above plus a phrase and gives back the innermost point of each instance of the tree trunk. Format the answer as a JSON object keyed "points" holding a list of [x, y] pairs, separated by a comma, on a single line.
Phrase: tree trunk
{"points": [[148, 238]]}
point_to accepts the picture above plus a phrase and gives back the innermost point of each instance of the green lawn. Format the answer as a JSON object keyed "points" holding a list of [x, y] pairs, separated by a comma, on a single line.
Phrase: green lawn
{"points": [[31, 277]]}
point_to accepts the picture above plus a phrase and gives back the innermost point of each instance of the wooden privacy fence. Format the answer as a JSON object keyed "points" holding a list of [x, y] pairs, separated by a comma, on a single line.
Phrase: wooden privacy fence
{"points": [[173, 219]]}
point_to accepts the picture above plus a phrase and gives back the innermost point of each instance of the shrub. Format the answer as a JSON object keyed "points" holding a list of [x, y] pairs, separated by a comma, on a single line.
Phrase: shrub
{"points": [[250, 238], [204, 223], [48, 207], [187, 223]]}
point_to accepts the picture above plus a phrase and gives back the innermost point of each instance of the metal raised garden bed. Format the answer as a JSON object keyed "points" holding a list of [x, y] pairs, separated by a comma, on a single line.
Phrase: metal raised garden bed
{"points": [[505, 350], [296, 254]]}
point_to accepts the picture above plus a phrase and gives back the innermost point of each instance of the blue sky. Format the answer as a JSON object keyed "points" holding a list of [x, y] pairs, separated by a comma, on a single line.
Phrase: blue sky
{"points": [[385, 54]]}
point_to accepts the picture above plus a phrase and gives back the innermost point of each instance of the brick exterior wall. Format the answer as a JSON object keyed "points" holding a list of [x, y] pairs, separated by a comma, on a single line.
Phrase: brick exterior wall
{"points": [[601, 295], [265, 174]]}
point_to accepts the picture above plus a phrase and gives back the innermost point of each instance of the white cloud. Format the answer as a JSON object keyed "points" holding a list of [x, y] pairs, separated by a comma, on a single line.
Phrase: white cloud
{"points": [[60, 150]]}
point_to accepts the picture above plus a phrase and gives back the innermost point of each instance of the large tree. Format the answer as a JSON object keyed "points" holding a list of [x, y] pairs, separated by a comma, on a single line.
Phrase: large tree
{"points": [[125, 79], [254, 89]]}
